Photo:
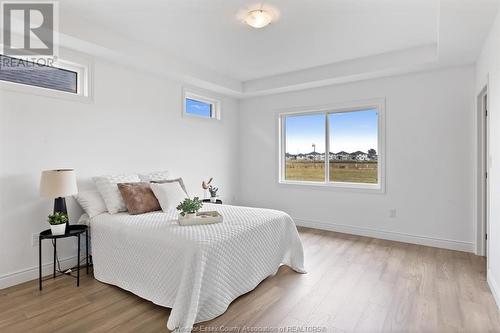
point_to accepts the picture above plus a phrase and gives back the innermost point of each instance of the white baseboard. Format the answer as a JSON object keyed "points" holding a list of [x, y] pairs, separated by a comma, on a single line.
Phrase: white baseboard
{"points": [[494, 287], [28, 274], [389, 235]]}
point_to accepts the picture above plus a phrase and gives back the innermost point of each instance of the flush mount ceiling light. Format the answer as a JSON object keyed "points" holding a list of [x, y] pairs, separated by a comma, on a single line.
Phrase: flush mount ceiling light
{"points": [[258, 18]]}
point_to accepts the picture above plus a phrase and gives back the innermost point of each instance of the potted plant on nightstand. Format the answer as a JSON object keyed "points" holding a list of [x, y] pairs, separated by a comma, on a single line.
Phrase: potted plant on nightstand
{"points": [[212, 189], [213, 193], [57, 223], [189, 207]]}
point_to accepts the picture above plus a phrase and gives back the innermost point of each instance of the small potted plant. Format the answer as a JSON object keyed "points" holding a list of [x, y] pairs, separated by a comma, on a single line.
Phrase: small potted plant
{"points": [[58, 223], [213, 193], [189, 207]]}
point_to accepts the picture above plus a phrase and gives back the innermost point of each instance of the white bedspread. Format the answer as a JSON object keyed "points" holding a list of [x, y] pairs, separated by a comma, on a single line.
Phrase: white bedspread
{"points": [[195, 270]]}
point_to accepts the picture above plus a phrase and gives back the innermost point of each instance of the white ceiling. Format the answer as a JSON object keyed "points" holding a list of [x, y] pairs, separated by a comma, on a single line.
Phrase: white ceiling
{"points": [[305, 35]]}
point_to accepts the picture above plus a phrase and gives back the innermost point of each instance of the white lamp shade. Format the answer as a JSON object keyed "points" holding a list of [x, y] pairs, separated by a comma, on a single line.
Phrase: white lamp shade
{"points": [[58, 183]]}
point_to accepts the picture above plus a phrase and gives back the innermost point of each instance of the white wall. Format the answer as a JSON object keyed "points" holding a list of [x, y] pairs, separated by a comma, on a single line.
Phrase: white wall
{"points": [[429, 161], [488, 71], [134, 125]]}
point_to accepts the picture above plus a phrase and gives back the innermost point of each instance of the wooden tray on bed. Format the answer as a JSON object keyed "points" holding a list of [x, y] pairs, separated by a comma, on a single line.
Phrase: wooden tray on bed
{"points": [[201, 218]]}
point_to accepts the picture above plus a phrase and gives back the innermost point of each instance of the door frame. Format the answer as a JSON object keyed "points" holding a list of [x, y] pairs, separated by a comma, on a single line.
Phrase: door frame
{"points": [[482, 189]]}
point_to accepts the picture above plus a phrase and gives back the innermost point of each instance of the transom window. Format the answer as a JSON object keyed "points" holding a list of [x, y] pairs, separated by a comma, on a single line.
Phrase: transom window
{"points": [[334, 147], [62, 76], [200, 106]]}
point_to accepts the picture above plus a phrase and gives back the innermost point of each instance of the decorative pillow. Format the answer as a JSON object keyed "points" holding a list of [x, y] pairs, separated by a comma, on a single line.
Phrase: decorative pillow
{"points": [[110, 192], [84, 219], [169, 195], [91, 202], [154, 176], [138, 198], [179, 180]]}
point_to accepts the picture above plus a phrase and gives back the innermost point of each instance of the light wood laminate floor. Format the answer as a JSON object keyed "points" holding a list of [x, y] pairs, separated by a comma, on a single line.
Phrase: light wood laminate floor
{"points": [[354, 284]]}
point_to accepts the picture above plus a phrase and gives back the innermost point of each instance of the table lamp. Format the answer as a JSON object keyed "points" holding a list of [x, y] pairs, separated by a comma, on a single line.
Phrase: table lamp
{"points": [[58, 184]]}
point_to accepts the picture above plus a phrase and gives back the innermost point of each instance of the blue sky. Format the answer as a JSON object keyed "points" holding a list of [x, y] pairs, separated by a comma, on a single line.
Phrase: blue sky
{"points": [[198, 108], [349, 131]]}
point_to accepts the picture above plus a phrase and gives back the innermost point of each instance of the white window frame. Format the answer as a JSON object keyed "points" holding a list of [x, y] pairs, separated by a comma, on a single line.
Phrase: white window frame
{"points": [[82, 66], [214, 102], [378, 104], [81, 75]]}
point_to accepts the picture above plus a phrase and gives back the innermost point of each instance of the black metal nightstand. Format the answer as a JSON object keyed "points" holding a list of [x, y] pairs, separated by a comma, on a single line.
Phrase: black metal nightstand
{"points": [[219, 202], [74, 230]]}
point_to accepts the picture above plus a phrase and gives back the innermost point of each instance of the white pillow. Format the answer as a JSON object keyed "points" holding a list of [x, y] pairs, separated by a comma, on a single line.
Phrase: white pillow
{"points": [[84, 219], [179, 180], [91, 202], [169, 195], [110, 192], [154, 176]]}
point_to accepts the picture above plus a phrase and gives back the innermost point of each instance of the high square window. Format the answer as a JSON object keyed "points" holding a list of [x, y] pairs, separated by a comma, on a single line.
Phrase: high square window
{"points": [[61, 77], [201, 106]]}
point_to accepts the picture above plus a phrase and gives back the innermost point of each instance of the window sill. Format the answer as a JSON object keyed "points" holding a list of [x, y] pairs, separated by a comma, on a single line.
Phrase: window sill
{"points": [[195, 116], [350, 187], [45, 92]]}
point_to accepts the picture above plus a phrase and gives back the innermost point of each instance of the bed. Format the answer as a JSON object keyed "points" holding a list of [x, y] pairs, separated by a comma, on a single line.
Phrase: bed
{"points": [[197, 271]]}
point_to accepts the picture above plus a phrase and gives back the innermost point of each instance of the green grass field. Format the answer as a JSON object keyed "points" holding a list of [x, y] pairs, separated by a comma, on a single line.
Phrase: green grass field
{"points": [[354, 172]]}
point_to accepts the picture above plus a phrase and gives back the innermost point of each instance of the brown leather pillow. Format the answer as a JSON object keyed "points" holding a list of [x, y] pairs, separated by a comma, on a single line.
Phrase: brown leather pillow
{"points": [[138, 198]]}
